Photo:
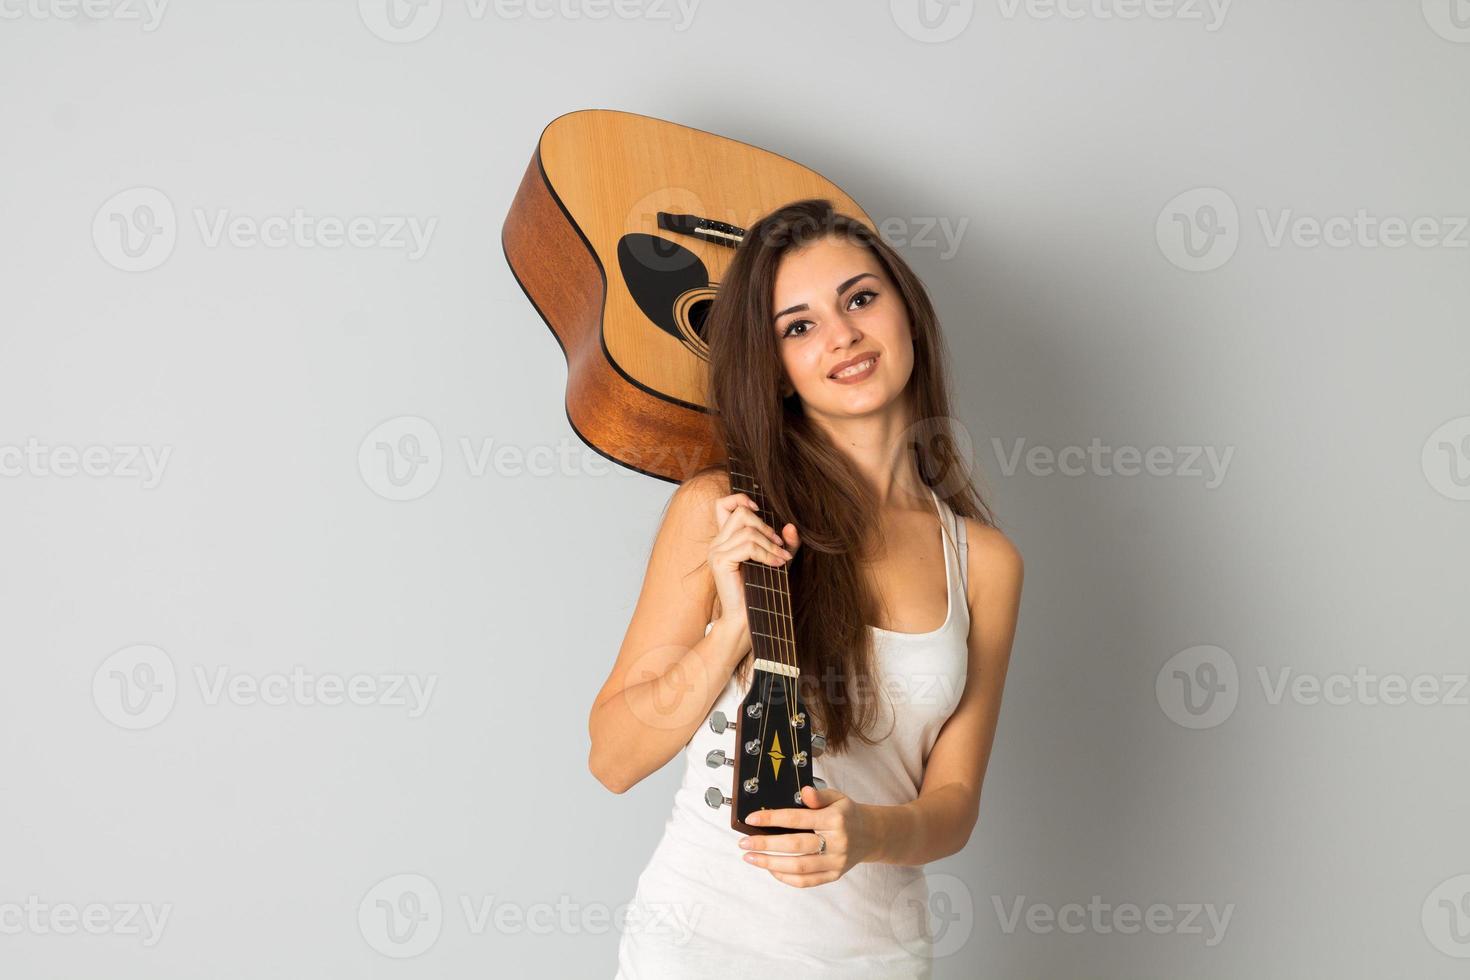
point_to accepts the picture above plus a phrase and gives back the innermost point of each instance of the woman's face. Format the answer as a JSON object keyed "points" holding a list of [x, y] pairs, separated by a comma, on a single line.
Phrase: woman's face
{"points": [[834, 303]]}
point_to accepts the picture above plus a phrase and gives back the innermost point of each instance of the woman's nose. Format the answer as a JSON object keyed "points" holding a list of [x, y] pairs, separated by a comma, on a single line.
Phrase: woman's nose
{"points": [[847, 333]]}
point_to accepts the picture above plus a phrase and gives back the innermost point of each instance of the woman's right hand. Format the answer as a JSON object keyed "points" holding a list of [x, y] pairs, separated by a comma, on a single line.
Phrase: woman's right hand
{"points": [[741, 536]]}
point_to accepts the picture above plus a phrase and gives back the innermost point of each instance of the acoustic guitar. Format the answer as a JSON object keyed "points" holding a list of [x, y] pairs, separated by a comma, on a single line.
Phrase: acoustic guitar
{"points": [[618, 235]]}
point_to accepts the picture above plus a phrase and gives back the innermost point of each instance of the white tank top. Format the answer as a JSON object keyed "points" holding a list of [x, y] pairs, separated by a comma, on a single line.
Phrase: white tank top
{"points": [[700, 911]]}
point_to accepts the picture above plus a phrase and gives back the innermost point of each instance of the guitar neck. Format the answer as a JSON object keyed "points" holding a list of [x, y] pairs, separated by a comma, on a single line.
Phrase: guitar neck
{"points": [[767, 589]]}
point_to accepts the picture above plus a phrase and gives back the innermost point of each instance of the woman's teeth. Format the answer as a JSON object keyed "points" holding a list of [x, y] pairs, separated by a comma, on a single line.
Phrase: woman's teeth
{"points": [[855, 369]]}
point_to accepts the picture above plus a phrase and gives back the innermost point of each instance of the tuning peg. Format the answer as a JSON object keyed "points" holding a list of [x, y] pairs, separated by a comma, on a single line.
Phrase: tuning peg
{"points": [[718, 722], [715, 799], [716, 758], [819, 744], [818, 782]]}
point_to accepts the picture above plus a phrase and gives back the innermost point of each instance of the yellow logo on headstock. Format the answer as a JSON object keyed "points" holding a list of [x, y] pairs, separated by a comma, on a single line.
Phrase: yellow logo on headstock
{"points": [[775, 755]]}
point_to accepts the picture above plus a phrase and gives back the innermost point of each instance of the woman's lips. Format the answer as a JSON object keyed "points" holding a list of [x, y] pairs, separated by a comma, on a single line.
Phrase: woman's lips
{"points": [[862, 375]]}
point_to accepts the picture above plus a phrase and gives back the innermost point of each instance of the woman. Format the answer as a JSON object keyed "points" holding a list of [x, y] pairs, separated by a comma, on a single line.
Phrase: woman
{"points": [[862, 462]]}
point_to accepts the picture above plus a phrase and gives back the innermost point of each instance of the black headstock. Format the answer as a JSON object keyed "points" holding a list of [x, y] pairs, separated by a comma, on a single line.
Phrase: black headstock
{"points": [[772, 752]]}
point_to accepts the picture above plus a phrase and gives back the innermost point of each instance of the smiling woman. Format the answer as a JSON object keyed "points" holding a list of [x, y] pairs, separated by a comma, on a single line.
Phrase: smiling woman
{"points": [[827, 374]]}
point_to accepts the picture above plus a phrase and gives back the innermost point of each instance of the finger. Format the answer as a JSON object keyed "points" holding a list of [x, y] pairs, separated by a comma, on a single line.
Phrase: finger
{"points": [[791, 537], [804, 843], [741, 518], [764, 549], [806, 881], [794, 819], [792, 864], [818, 798]]}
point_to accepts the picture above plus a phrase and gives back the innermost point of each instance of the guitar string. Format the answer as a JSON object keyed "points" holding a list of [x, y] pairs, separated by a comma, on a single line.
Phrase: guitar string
{"points": [[757, 570], [788, 683]]}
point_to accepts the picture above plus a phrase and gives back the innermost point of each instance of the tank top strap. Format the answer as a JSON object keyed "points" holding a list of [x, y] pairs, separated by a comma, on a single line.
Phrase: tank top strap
{"points": [[955, 534]]}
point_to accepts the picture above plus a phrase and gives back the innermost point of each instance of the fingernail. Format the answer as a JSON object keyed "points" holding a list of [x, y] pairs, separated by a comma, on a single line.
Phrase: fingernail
{"points": [[750, 858], [745, 842]]}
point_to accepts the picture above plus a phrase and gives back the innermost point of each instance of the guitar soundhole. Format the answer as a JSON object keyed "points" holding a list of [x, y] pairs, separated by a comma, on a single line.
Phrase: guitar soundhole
{"points": [[698, 312]]}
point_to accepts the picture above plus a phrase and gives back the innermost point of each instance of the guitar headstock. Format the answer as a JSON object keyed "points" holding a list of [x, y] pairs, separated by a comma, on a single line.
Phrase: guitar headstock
{"points": [[772, 752]]}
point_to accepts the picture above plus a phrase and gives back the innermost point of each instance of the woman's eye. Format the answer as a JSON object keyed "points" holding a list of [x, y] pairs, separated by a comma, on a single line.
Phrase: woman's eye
{"points": [[868, 293]]}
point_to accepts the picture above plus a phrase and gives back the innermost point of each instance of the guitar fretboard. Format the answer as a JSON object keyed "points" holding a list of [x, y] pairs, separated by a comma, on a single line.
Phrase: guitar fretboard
{"points": [[767, 588]]}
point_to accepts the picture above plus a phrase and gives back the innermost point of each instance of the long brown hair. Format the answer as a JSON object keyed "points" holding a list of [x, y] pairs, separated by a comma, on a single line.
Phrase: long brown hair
{"points": [[807, 480]]}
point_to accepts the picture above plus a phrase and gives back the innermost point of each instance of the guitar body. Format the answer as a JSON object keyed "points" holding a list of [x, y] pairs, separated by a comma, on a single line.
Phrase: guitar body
{"points": [[618, 234]]}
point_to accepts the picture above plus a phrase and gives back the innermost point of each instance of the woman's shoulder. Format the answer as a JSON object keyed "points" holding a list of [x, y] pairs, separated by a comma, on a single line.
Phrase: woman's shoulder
{"points": [[706, 484], [993, 561]]}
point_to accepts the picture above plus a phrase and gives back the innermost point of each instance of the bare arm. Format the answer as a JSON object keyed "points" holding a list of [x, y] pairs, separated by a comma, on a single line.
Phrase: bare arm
{"points": [[940, 821], [668, 672]]}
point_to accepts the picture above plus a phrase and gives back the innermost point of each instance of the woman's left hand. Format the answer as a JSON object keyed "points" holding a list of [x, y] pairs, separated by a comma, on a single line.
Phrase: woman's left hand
{"points": [[850, 829]]}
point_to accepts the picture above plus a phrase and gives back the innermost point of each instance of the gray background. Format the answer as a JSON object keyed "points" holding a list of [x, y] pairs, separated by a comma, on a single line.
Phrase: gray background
{"points": [[1060, 145]]}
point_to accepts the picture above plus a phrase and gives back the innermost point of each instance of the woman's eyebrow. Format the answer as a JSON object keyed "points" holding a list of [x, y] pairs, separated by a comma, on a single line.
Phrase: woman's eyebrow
{"points": [[839, 291]]}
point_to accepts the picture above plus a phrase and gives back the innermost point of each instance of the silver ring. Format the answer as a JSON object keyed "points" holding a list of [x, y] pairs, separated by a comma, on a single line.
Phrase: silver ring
{"points": [[821, 843]]}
